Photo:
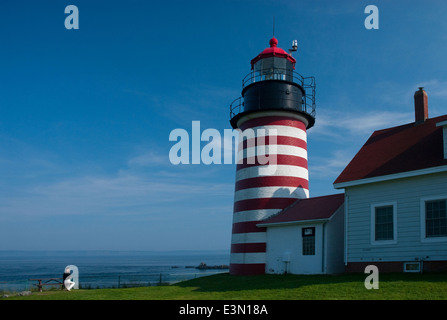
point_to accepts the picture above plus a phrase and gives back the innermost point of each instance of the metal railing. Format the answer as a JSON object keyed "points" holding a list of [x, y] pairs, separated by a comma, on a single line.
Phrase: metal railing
{"points": [[307, 83], [236, 107], [138, 280], [275, 74], [115, 280]]}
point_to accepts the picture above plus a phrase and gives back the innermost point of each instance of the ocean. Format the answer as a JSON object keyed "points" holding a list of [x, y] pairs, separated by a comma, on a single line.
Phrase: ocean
{"points": [[106, 269]]}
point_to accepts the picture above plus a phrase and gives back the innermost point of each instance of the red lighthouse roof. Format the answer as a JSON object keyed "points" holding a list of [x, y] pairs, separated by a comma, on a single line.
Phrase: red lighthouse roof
{"points": [[309, 209], [273, 51]]}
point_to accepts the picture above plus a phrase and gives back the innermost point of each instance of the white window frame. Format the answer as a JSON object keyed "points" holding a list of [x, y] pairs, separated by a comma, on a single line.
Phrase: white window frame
{"points": [[418, 263], [423, 237], [443, 124], [373, 223]]}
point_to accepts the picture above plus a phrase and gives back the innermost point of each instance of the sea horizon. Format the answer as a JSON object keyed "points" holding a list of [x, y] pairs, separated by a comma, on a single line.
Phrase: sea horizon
{"points": [[107, 268], [6, 252]]}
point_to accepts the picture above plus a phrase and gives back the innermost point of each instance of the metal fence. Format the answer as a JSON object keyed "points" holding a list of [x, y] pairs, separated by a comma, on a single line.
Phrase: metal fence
{"points": [[101, 281]]}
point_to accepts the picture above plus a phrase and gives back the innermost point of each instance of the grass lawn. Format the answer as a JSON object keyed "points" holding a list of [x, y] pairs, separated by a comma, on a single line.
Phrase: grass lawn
{"points": [[431, 286]]}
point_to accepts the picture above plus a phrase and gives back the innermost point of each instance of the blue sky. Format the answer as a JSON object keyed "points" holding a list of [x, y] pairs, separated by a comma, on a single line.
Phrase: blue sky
{"points": [[85, 115]]}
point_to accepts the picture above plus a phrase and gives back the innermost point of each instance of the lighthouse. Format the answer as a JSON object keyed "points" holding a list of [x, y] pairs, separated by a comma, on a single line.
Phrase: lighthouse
{"points": [[277, 105]]}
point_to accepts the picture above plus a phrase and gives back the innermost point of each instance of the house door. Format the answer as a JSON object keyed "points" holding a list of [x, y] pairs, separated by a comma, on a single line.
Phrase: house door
{"points": [[309, 262]]}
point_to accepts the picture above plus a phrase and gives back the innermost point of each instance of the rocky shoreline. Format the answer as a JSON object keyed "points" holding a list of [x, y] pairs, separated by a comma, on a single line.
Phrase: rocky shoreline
{"points": [[204, 266]]}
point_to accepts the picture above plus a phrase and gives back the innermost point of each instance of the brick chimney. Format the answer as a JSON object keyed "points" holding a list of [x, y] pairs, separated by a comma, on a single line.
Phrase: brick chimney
{"points": [[420, 106]]}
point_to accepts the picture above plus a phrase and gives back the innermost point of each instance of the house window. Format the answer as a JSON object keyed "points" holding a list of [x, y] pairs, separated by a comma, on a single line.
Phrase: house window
{"points": [[308, 235], [383, 223], [435, 218]]}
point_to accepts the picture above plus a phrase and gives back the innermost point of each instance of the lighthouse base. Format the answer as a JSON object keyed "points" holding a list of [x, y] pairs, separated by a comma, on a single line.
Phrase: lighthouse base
{"points": [[247, 269]]}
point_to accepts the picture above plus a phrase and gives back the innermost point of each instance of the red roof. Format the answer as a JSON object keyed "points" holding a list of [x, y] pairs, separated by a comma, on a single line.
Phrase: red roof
{"points": [[396, 150], [316, 208], [273, 51]]}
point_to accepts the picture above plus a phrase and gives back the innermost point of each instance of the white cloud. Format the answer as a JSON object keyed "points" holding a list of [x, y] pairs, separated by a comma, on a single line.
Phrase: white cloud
{"points": [[125, 194], [39, 184], [391, 104], [358, 126], [148, 158], [434, 87], [330, 166], [339, 135]]}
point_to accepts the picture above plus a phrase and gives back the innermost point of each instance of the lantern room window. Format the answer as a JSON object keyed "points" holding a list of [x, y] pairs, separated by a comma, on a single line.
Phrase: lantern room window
{"points": [[273, 69]]}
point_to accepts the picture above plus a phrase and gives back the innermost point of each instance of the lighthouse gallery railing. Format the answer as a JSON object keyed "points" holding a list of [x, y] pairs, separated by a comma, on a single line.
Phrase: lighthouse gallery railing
{"points": [[307, 83]]}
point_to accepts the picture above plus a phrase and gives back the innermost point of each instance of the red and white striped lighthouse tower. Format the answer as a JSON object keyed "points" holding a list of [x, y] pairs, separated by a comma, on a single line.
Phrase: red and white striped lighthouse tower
{"points": [[278, 105]]}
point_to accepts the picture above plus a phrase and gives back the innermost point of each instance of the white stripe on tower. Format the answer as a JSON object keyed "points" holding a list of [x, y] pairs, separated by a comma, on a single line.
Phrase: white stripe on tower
{"points": [[259, 196]]}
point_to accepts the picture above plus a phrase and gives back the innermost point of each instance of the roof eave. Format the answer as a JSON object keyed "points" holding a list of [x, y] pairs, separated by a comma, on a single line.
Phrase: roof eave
{"points": [[406, 174], [278, 224]]}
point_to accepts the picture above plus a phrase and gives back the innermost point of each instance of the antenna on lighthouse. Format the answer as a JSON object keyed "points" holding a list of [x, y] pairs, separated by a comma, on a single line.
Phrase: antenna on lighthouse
{"points": [[273, 26]]}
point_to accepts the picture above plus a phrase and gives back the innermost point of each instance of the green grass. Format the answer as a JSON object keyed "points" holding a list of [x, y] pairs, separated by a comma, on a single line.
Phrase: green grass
{"points": [[432, 286]]}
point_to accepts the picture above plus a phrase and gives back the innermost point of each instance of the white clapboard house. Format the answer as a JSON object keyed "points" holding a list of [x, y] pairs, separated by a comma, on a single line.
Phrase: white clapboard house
{"points": [[396, 197]]}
